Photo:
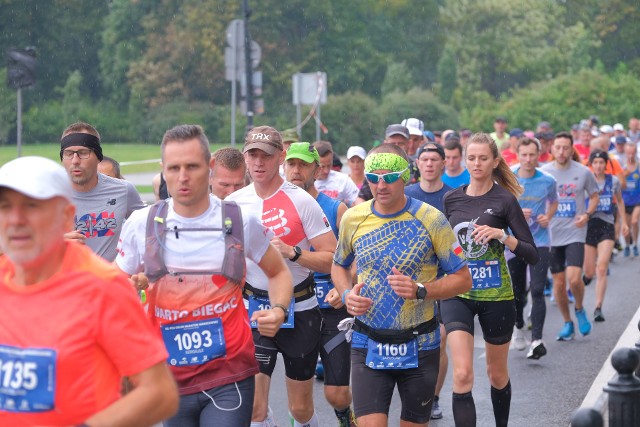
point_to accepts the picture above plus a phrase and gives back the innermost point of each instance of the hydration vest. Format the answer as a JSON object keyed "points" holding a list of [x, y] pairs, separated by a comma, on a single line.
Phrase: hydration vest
{"points": [[233, 264]]}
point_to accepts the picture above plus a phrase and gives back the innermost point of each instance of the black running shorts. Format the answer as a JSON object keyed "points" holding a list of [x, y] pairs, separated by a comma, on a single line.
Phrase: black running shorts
{"points": [[337, 363], [496, 318], [571, 255], [598, 231]]}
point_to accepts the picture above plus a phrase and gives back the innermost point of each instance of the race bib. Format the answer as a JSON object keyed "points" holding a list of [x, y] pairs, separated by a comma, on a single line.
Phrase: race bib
{"points": [[485, 274], [323, 287], [604, 204], [566, 208], [257, 303], [27, 379], [392, 356], [194, 343]]}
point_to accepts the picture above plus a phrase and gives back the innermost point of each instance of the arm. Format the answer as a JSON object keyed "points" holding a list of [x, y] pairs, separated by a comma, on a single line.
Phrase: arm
{"points": [[621, 213], [447, 286], [582, 220], [280, 292], [318, 260], [153, 399], [545, 218]]}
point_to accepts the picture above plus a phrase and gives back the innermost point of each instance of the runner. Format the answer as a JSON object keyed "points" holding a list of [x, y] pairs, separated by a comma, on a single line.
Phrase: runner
{"points": [[569, 231], [397, 243], [430, 160], [301, 168], [228, 172], [298, 223], [600, 230], [480, 213], [539, 202], [455, 174], [355, 158], [334, 184], [102, 202], [196, 266], [71, 325], [631, 196]]}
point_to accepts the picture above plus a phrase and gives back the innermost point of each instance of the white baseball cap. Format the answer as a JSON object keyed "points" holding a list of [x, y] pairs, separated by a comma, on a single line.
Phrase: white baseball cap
{"points": [[36, 177], [606, 129], [356, 151], [618, 127], [415, 126]]}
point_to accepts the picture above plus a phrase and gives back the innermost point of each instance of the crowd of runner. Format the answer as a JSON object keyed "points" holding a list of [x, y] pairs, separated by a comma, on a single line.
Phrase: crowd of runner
{"points": [[370, 281]]}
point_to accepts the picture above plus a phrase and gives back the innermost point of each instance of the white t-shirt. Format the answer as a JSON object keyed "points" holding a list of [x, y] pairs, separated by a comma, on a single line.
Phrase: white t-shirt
{"points": [[293, 216], [338, 186], [191, 250]]}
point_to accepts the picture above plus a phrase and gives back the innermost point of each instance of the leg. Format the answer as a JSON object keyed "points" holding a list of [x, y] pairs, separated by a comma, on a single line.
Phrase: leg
{"points": [[416, 388], [605, 248], [560, 294], [589, 261], [518, 271], [538, 304], [436, 412], [261, 397], [188, 413], [635, 219], [228, 405], [300, 395], [372, 390]]}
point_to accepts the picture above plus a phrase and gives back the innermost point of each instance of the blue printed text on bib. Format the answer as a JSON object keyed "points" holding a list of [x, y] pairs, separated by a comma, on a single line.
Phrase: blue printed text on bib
{"points": [[566, 208], [323, 287], [257, 303], [194, 343], [27, 379], [392, 356], [485, 274]]}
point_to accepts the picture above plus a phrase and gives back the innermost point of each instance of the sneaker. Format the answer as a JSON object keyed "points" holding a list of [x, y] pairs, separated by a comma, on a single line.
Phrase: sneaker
{"points": [[597, 315], [270, 420], [436, 412], [567, 332], [627, 251], [583, 323], [570, 296], [537, 350], [548, 288], [348, 421], [635, 250], [519, 342], [586, 280], [319, 370]]}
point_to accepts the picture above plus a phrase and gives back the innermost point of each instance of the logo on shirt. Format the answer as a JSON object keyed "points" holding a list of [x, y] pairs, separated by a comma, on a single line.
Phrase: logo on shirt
{"points": [[489, 211], [471, 248], [566, 190], [111, 202]]}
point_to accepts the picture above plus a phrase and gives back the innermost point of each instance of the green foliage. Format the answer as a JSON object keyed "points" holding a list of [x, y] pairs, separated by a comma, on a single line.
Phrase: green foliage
{"points": [[418, 103], [71, 97], [447, 76], [397, 78], [351, 120], [565, 100]]}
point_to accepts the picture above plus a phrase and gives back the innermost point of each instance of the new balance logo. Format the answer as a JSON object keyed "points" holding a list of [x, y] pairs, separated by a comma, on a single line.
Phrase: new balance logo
{"points": [[111, 202]]}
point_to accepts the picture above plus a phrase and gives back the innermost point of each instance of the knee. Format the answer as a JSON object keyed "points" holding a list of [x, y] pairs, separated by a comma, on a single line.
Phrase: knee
{"points": [[498, 376], [301, 411], [338, 397], [463, 377], [601, 271]]}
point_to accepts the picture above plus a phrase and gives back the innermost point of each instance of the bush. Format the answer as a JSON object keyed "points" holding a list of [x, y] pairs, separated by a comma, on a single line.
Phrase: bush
{"points": [[419, 103], [564, 100]]}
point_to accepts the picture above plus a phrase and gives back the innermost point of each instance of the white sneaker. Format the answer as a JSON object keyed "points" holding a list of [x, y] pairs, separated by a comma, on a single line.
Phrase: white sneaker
{"points": [[270, 420], [519, 341]]}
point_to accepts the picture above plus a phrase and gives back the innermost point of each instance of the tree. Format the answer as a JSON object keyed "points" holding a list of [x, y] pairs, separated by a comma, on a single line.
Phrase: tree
{"points": [[7, 108]]}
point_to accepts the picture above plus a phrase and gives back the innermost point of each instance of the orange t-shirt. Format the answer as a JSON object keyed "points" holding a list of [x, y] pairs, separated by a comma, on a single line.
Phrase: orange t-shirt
{"points": [[65, 343], [612, 168]]}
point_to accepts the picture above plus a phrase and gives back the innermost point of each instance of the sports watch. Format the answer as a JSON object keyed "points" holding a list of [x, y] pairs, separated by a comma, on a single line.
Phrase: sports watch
{"points": [[298, 252], [421, 292], [504, 237], [283, 308]]}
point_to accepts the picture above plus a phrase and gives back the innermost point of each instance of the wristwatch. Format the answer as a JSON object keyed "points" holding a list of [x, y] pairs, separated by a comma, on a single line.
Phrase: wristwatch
{"points": [[504, 237], [298, 252], [421, 292], [283, 308]]}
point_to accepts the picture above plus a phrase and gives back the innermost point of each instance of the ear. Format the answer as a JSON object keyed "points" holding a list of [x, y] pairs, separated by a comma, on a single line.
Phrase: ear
{"points": [[283, 154], [69, 213]]}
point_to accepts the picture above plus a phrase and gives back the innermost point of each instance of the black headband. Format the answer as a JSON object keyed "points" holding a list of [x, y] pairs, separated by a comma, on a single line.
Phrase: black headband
{"points": [[84, 140]]}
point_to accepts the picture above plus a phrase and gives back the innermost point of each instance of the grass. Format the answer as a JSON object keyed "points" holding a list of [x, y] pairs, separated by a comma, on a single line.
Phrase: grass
{"points": [[123, 153]]}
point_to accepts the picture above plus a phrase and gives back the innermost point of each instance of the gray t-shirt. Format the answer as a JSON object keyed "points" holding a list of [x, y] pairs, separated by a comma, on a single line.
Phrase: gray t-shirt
{"points": [[605, 204], [574, 184], [101, 212]]}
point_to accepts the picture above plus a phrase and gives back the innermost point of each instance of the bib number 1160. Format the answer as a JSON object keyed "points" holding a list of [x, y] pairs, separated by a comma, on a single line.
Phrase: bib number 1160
{"points": [[386, 349]]}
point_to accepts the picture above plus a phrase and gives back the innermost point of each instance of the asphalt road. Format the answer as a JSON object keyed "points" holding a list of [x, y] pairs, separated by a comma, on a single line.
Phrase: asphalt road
{"points": [[545, 392]]}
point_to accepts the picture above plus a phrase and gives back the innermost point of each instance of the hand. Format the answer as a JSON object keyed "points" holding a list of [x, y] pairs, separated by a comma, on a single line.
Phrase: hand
{"points": [[357, 305], [625, 230], [543, 220], [527, 213], [269, 321], [76, 236], [139, 281], [285, 250], [582, 220], [402, 285], [483, 234], [334, 298]]}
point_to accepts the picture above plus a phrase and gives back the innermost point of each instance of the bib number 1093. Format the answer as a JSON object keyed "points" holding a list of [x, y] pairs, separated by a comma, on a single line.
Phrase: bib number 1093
{"points": [[393, 350], [193, 340]]}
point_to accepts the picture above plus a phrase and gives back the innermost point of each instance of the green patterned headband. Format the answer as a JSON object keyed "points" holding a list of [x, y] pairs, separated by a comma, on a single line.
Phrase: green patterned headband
{"points": [[387, 161]]}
